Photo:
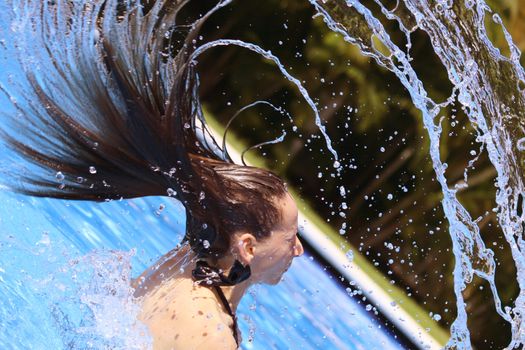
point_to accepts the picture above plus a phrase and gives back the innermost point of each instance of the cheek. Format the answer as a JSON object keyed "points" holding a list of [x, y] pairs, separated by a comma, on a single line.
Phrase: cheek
{"points": [[282, 258], [275, 257], [274, 260]]}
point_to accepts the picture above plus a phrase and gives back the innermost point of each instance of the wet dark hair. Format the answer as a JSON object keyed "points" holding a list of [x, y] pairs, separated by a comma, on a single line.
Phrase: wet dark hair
{"points": [[133, 124]]}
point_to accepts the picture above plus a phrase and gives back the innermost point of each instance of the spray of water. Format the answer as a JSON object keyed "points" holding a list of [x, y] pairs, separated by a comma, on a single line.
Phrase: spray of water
{"points": [[490, 87], [268, 55], [76, 302]]}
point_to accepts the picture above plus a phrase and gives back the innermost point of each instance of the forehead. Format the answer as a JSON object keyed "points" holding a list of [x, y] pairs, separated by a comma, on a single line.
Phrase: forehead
{"points": [[288, 211]]}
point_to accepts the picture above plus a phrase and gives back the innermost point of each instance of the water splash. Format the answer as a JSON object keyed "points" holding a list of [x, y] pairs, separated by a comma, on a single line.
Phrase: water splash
{"points": [[104, 290], [493, 109], [280, 110], [78, 302], [269, 55]]}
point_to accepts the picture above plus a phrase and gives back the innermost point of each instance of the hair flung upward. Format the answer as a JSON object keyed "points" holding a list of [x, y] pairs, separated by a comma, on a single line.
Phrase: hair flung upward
{"points": [[112, 111]]}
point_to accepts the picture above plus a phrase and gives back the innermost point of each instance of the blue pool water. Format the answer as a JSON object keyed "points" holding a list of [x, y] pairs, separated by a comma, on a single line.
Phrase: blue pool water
{"points": [[64, 271]]}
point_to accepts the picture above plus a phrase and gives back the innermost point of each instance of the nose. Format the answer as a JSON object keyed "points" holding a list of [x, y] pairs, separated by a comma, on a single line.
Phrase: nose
{"points": [[298, 247]]}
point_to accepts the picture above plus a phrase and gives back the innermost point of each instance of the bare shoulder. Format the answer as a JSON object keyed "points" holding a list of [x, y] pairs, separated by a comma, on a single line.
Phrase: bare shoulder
{"points": [[187, 317], [203, 323]]}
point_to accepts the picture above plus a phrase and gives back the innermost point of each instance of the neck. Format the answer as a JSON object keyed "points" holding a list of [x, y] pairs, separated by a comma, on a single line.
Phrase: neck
{"points": [[235, 293]]}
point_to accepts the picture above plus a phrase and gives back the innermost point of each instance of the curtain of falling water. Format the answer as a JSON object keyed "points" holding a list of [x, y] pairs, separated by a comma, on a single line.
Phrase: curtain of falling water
{"points": [[491, 88]]}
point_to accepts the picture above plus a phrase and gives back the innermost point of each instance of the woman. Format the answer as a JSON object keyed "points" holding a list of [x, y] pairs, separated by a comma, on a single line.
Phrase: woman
{"points": [[117, 115], [194, 308]]}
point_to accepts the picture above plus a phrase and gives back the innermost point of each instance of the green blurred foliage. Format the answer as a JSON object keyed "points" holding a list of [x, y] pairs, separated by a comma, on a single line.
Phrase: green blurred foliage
{"points": [[380, 138]]}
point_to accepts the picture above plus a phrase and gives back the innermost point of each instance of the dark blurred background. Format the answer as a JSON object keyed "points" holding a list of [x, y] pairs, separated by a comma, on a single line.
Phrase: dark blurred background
{"points": [[394, 216]]}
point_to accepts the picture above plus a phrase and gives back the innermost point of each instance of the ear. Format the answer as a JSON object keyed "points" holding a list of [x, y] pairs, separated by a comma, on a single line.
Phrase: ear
{"points": [[244, 248]]}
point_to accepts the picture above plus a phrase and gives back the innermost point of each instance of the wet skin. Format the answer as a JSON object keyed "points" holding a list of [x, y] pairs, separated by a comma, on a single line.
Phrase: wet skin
{"points": [[183, 315]]}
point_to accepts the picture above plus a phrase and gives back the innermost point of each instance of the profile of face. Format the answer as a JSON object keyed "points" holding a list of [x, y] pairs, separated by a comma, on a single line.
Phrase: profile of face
{"points": [[270, 257]]}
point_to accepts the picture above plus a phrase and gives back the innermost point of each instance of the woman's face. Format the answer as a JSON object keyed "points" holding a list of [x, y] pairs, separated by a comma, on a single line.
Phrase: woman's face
{"points": [[274, 254]]}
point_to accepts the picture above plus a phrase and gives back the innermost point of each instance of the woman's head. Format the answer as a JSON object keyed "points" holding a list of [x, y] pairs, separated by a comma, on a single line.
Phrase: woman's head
{"points": [[240, 200], [270, 257]]}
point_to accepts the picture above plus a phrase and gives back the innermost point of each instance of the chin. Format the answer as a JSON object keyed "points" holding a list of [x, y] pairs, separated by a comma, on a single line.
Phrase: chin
{"points": [[276, 280]]}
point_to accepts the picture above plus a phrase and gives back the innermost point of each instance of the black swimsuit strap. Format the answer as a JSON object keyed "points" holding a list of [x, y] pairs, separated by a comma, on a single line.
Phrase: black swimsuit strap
{"points": [[224, 301]]}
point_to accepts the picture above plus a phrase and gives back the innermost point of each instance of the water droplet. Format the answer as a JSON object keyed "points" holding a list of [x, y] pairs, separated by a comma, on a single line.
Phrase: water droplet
{"points": [[320, 175], [521, 144], [389, 196], [80, 179], [382, 149], [350, 255], [159, 211], [45, 240], [337, 164], [171, 192], [342, 191], [436, 317], [59, 176], [472, 153], [201, 195], [187, 125], [92, 170], [205, 244], [171, 172]]}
